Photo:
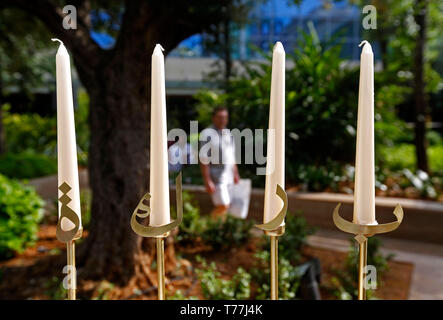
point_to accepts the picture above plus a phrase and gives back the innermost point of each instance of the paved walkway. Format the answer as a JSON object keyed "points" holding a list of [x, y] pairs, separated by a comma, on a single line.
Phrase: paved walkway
{"points": [[427, 277]]}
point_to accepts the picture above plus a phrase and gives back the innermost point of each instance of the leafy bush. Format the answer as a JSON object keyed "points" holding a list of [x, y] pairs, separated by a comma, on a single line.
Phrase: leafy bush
{"points": [[179, 295], [289, 277], [85, 204], [193, 224], [27, 165], [436, 157], [345, 281], [318, 177], [222, 234], [219, 233], [30, 132], [399, 157], [216, 288], [296, 232], [21, 209]]}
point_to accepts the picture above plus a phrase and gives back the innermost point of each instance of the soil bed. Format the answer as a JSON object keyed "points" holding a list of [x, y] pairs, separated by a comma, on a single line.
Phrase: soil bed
{"points": [[36, 273]]}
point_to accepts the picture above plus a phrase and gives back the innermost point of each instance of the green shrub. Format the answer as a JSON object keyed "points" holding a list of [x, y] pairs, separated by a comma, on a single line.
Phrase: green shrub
{"points": [[289, 277], [179, 295], [219, 233], [436, 157], [193, 224], [27, 165], [85, 204], [296, 232], [21, 209], [345, 281], [222, 234], [30, 132], [216, 288], [398, 157]]}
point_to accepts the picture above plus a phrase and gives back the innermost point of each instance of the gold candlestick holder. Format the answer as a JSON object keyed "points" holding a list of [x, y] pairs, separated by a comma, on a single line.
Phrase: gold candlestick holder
{"points": [[363, 232], [159, 232], [69, 237], [274, 229]]}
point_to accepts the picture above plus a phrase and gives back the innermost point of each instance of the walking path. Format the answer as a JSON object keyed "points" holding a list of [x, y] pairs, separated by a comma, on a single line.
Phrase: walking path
{"points": [[427, 277]]}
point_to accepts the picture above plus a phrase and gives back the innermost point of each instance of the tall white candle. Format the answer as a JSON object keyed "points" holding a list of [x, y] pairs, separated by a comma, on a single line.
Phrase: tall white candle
{"points": [[66, 142], [364, 191], [159, 181], [275, 166]]}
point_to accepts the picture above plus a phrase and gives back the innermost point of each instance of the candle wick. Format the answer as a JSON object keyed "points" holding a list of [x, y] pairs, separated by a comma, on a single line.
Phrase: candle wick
{"points": [[55, 39], [158, 44], [363, 43]]}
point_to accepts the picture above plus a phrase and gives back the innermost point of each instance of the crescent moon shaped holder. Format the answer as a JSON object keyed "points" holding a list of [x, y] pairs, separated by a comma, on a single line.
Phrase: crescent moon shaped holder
{"points": [[69, 237], [274, 229], [159, 232], [362, 233]]}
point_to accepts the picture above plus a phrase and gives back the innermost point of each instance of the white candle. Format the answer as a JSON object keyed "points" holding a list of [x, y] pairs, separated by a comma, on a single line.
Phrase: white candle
{"points": [[364, 191], [159, 181], [275, 166], [66, 143]]}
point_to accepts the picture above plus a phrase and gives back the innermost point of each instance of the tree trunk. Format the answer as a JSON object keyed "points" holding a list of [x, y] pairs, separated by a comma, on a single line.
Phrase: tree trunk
{"points": [[419, 88]]}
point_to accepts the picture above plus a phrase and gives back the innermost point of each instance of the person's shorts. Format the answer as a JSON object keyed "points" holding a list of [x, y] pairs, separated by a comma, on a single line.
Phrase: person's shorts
{"points": [[222, 195]]}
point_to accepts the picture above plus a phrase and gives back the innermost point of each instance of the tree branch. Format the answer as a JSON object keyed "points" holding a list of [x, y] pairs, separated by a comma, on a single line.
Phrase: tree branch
{"points": [[85, 51]]}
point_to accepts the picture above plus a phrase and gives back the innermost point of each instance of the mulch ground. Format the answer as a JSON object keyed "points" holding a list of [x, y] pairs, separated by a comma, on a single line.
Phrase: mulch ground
{"points": [[34, 274]]}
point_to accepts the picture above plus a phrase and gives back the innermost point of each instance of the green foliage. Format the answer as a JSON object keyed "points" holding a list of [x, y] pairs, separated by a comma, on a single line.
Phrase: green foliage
{"points": [[85, 204], [103, 289], [193, 224], [21, 209], [318, 177], [316, 105], [231, 231], [179, 295], [216, 288], [219, 233], [288, 277], [54, 289], [296, 232], [399, 157], [345, 281], [82, 131], [420, 182], [27, 165], [33, 138], [30, 132]]}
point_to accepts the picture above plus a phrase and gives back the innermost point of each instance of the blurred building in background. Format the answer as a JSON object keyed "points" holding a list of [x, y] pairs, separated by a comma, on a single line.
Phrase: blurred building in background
{"points": [[271, 21]]}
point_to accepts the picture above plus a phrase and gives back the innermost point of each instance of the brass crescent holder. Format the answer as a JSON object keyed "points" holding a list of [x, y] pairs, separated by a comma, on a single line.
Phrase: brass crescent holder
{"points": [[69, 237], [160, 233], [363, 232], [274, 229]]}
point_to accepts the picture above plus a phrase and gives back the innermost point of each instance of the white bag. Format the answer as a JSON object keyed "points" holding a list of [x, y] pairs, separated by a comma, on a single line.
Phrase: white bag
{"points": [[241, 193]]}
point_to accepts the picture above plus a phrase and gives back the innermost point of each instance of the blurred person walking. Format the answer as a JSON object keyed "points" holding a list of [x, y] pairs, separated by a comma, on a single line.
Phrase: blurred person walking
{"points": [[218, 168]]}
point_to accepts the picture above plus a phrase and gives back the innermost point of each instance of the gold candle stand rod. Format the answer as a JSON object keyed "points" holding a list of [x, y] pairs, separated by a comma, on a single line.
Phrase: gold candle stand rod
{"points": [[159, 232], [69, 237], [274, 229]]}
